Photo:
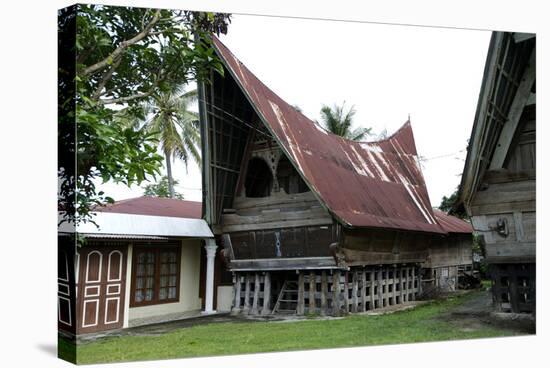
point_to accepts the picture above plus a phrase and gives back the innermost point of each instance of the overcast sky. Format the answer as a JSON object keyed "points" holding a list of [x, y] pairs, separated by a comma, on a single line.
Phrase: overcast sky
{"points": [[386, 71]]}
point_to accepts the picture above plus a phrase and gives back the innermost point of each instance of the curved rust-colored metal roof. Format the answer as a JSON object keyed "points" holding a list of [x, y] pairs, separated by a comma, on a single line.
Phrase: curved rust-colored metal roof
{"points": [[452, 224], [375, 184], [155, 206]]}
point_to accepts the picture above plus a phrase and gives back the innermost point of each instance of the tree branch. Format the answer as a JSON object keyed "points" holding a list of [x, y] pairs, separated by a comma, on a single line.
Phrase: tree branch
{"points": [[106, 76], [123, 46]]}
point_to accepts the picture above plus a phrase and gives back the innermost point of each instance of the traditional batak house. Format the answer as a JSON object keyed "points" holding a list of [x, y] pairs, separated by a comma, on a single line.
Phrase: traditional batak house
{"points": [[310, 222], [141, 264], [498, 187]]}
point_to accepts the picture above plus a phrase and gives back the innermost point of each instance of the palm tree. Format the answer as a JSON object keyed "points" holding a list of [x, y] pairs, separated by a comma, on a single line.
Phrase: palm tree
{"points": [[337, 121], [167, 115]]}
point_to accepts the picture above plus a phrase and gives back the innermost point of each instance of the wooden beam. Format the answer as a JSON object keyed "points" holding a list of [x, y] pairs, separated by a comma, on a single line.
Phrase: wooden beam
{"points": [[267, 294], [516, 109]]}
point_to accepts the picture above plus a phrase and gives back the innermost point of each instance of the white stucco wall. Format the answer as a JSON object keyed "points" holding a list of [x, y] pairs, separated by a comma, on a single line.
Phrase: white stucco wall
{"points": [[189, 300], [225, 298]]}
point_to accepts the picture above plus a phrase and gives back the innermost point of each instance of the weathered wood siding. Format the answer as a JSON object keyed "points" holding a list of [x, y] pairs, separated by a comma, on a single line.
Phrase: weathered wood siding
{"points": [[452, 250], [369, 247], [507, 197]]}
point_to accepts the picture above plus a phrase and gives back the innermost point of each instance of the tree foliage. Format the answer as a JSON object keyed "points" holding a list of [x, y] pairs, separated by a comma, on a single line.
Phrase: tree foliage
{"points": [[161, 189], [448, 205], [337, 121], [174, 124], [124, 57]]}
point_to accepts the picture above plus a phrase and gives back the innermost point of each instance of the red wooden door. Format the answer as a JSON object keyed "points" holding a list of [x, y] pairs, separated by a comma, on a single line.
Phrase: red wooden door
{"points": [[101, 288]]}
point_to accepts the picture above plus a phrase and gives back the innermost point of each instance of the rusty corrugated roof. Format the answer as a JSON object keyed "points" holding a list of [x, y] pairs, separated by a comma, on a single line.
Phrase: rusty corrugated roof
{"points": [[155, 206], [375, 184], [452, 224]]}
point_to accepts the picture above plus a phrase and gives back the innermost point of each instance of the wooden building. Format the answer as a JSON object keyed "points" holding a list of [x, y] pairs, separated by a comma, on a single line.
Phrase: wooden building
{"points": [[451, 256], [498, 187], [140, 265], [310, 222]]}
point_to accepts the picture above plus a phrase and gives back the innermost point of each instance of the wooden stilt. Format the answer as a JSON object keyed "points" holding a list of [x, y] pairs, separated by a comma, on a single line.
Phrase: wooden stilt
{"points": [[324, 292], [300, 306], [380, 288], [394, 287], [246, 307], [354, 292], [413, 296], [346, 292], [312, 289], [406, 284], [256, 297], [372, 288], [267, 294], [336, 293], [237, 302], [363, 291]]}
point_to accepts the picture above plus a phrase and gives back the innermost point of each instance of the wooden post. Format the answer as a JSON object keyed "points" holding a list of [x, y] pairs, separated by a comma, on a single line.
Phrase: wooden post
{"points": [[413, 296], [406, 284], [254, 309], [346, 292], [300, 306], [420, 282], [336, 293], [312, 289], [401, 286], [380, 288], [267, 294], [237, 302], [364, 291], [246, 307], [372, 288], [354, 292], [324, 292], [394, 287]]}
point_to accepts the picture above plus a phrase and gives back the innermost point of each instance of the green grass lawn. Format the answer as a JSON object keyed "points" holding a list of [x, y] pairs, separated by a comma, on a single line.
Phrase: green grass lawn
{"points": [[416, 325]]}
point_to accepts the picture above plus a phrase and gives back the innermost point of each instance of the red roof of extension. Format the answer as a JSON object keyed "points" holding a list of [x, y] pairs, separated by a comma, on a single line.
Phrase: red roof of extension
{"points": [[452, 224], [375, 184], [155, 206]]}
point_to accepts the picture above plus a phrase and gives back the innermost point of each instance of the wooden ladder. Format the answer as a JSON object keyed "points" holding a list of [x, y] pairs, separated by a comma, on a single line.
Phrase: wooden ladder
{"points": [[288, 297]]}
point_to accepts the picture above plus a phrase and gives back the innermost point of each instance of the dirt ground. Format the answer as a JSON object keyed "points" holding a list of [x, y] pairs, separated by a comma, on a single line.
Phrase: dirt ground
{"points": [[477, 313]]}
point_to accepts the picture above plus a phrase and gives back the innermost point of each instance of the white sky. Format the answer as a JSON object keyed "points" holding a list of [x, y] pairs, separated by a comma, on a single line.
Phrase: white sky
{"points": [[386, 71]]}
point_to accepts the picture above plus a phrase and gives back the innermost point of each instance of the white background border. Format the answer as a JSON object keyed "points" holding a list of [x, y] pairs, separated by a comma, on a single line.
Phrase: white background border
{"points": [[28, 179]]}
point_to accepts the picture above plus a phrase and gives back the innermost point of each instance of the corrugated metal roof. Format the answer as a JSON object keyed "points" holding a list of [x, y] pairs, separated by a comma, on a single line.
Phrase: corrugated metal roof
{"points": [[135, 226], [155, 206], [375, 184], [452, 224]]}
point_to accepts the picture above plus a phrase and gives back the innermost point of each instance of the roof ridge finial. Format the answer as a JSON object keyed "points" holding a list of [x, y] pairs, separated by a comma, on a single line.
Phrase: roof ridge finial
{"points": [[409, 119]]}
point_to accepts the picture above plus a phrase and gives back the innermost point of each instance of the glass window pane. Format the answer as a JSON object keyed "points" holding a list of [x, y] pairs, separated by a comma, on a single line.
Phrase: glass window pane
{"points": [[173, 269], [172, 257], [164, 269], [162, 294], [150, 282], [172, 281], [149, 294], [171, 293], [139, 283], [139, 296]]}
